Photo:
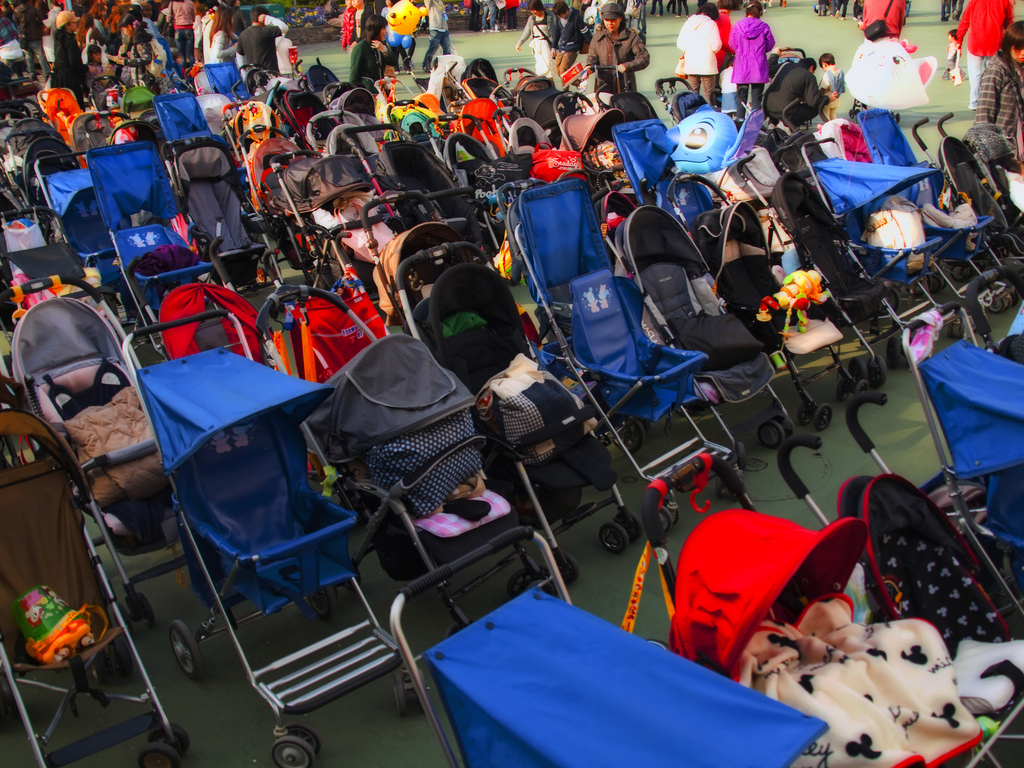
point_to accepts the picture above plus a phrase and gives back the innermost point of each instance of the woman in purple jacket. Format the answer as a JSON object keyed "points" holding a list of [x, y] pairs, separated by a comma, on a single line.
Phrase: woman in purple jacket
{"points": [[751, 39]]}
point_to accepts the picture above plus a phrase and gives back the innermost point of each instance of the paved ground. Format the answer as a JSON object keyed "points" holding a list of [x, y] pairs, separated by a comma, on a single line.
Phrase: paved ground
{"points": [[230, 725]]}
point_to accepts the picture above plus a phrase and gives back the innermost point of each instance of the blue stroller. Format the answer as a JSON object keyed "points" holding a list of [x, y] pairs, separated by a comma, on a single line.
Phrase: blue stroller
{"points": [[138, 206], [223, 78], [72, 196], [568, 271], [181, 116], [580, 676], [229, 437]]}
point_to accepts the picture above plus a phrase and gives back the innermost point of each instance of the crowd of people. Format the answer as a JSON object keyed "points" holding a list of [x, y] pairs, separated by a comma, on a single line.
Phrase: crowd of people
{"points": [[69, 48]]}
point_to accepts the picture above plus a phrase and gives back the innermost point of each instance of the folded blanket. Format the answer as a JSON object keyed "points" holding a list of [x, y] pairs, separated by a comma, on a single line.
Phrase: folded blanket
{"points": [[887, 691]]}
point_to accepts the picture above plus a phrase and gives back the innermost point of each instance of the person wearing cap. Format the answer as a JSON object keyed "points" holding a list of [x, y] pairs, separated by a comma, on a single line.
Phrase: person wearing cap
{"points": [[616, 46], [68, 70]]}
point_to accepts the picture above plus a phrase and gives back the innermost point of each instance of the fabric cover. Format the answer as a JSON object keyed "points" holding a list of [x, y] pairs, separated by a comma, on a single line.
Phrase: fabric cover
{"points": [[851, 185], [539, 654], [195, 298], [736, 564], [130, 179], [981, 677], [180, 116], [887, 691], [99, 430]]}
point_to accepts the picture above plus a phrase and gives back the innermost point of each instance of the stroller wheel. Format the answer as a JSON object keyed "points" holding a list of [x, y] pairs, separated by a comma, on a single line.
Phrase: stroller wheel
{"points": [[307, 734], [666, 519], [323, 602], [860, 386], [893, 353], [121, 656], [613, 538], [292, 752], [567, 566], [159, 755], [630, 522], [403, 687], [770, 434], [858, 369], [7, 707], [955, 328], [633, 433], [140, 609], [180, 743], [877, 372], [186, 649], [822, 416], [806, 412], [523, 579], [844, 387], [960, 272]]}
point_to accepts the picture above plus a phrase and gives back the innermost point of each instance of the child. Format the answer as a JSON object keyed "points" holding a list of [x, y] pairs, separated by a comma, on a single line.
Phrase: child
{"points": [[96, 65], [348, 24], [951, 52], [833, 82]]}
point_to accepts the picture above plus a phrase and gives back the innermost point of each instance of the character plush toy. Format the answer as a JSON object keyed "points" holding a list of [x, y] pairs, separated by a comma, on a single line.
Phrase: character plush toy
{"points": [[884, 76], [799, 290], [703, 142], [53, 631], [403, 18]]}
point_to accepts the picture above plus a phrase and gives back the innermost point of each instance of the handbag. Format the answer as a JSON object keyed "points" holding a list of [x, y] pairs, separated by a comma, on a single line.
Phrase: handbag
{"points": [[876, 30], [681, 67]]}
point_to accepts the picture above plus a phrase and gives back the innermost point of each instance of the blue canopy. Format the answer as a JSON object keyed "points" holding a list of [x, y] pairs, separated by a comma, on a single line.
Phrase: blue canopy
{"points": [[977, 397], [851, 185], [130, 179], [541, 683], [645, 151], [222, 76], [190, 399], [559, 236], [180, 116], [886, 142]]}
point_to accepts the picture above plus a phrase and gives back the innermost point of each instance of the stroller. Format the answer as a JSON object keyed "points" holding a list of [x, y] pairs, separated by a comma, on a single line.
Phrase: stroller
{"points": [[680, 310], [556, 237], [210, 193], [181, 117], [556, 458], [47, 548], [549, 650], [68, 356], [138, 206], [223, 78], [252, 456], [296, 109]]}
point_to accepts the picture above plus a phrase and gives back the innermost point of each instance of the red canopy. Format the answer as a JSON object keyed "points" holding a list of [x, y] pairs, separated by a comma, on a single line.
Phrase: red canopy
{"points": [[193, 298], [734, 566]]}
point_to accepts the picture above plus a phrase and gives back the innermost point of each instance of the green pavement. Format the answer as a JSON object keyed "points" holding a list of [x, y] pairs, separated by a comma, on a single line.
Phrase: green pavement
{"points": [[229, 724]]}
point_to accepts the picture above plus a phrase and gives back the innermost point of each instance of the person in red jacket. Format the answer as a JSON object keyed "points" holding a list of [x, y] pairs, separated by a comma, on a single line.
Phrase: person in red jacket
{"points": [[985, 20]]}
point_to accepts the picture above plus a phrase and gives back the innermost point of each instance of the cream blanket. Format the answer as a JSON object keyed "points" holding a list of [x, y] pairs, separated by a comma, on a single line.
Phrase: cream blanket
{"points": [[887, 691]]}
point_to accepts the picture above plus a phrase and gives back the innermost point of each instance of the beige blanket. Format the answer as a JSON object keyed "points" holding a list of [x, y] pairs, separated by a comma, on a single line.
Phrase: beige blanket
{"points": [[887, 691]]}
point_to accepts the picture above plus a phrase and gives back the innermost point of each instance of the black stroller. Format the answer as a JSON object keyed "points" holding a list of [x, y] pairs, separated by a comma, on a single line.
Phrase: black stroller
{"points": [[554, 458]]}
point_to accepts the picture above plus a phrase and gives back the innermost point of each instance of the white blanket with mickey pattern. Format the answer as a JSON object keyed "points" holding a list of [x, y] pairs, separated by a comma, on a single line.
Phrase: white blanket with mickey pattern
{"points": [[887, 691]]}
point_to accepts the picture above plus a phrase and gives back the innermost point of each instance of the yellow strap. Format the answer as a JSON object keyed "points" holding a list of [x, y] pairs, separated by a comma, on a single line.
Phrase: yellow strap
{"points": [[330, 478], [94, 610], [282, 351], [638, 588], [308, 359], [669, 604]]}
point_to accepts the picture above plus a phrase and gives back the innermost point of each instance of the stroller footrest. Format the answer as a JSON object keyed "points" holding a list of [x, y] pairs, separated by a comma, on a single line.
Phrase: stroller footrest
{"points": [[330, 671]]}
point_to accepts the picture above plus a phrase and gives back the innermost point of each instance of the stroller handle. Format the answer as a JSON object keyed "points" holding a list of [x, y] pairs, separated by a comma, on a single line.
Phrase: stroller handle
{"points": [[946, 309], [853, 417], [445, 572], [19, 292], [975, 287], [789, 475], [659, 85], [300, 294], [938, 125], [917, 137], [202, 317]]}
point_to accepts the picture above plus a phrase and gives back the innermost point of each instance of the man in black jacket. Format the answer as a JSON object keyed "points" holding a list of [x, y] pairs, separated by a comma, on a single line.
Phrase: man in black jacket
{"points": [[30, 22], [795, 81], [258, 41]]}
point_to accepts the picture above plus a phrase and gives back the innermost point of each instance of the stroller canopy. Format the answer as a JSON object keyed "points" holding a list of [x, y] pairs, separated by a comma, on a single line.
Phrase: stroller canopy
{"points": [[645, 151], [578, 131], [130, 179], [224, 76], [315, 182], [579, 676], [60, 335], [736, 564], [73, 197], [850, 185], [191, 399], [180, 116], [884, 138]]}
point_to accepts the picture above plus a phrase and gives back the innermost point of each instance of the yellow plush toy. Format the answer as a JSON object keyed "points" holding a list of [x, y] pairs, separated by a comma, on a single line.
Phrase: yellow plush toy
{"points": [[799, 290]]}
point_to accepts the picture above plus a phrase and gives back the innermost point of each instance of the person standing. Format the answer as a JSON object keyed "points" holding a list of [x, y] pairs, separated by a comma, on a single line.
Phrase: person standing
{"points": [[182, 15], [985, 20], [570, 37], [1001, 94], [512, 14], [751, 40], [218, 36], [615, 46], [876, 13], [699, 41], [490, 18], [371, 56], [68, 69], [258, 42], [725, 7], [30, 20], [540, 30], [437, 20]]}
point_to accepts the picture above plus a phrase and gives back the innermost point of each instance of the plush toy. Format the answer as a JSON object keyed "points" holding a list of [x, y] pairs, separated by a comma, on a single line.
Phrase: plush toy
{"points": [[884, 76], [799, 290], [403, 18], [53, 631], [704, 142]]}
